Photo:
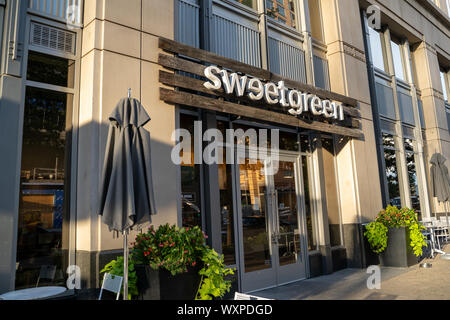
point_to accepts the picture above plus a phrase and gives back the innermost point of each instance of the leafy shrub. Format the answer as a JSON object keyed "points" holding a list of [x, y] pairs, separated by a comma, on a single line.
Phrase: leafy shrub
{"points": [[392, 217]]}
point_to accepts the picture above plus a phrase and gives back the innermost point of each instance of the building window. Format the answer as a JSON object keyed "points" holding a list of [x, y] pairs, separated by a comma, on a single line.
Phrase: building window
{"points": [[390, 160], [44, 207], [376, 49], [445, 85], [281, 10], [331, 190], [397, 56], [315, 19], [190, 179], [412, 176], [249, 3]]}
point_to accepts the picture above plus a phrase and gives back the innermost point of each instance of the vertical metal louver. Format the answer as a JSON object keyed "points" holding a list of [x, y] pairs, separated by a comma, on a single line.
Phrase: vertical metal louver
{"points": [[52, 38]]}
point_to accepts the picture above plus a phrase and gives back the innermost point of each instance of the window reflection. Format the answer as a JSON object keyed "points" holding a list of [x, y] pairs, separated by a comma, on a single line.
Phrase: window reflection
{"points": [[190, 180], [226, 205], [412, 176], [254, 217], [249, 3], [282, 11], [390, 159], [49, 69], [42, 245]]}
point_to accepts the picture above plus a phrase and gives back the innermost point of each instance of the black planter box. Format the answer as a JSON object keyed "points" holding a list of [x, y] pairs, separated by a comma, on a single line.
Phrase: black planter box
{"points": [[161, 285], [399, 252]]}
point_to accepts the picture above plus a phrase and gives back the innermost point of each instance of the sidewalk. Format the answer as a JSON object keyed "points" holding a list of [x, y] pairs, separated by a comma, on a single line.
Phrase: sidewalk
{"points": [[412, 283]]}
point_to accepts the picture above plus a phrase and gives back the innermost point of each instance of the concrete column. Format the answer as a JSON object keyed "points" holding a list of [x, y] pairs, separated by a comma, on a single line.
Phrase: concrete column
{"points": [[13, 17], [436, 127]]}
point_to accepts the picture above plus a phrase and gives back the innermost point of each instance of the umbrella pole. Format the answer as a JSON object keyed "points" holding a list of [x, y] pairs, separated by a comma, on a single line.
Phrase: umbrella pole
{"points": [[125, 265]]}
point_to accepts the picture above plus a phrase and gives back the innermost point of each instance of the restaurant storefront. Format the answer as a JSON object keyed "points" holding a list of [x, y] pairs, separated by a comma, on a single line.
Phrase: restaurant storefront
{"points": [[267, 105]]}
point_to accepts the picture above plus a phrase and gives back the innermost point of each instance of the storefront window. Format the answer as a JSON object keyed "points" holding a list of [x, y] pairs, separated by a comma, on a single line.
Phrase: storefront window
{"points": [[412, 176], [282, 10], [190, 179], [310, 218], [390, 159], [226, 205], [52, 70], [329, 166], [43, 232]]}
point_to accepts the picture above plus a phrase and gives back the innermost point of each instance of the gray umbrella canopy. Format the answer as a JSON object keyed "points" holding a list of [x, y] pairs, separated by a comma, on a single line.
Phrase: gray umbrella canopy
{"points": [[440, 181], [127, 197]]}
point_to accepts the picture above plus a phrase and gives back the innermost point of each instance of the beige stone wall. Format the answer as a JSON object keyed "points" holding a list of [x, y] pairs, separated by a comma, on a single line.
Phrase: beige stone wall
{"points": [[120, 51], [360, 192]]}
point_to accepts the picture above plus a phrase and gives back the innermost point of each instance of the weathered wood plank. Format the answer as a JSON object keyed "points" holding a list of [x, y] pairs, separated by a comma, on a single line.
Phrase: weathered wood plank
{"points": [[199, 54], [180, 81], [177, 97], [176, 63], [175, 47]]}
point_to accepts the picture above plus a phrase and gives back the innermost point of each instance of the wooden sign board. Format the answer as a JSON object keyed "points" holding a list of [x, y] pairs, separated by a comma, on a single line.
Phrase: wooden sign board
{"points": [[191, 91]]}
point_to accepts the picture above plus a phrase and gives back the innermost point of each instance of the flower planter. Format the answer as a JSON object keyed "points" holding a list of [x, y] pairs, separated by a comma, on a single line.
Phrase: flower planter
{"points": [[398, 252], [161, 285]]}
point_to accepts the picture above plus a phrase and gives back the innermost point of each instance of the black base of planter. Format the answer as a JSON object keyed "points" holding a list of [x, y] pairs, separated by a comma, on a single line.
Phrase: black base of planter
{"points": [[161, 285], [399, 252]]}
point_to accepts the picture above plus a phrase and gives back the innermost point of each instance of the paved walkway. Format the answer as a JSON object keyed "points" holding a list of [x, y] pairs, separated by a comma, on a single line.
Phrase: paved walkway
{"points": [[412, 283]]}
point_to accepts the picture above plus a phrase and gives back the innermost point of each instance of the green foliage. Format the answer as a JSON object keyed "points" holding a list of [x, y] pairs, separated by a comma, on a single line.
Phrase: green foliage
{"points": [[212, 284], [169, 247], [393, 217], [376, 234], [116, 267]]}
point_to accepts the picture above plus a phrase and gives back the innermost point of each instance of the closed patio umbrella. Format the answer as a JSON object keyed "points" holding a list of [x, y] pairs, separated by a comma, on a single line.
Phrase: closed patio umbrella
{"points": [[440, 181], [126, 197]]}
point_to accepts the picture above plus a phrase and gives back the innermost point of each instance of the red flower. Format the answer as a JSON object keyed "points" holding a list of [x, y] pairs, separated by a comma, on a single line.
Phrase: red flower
{"points": [[194, 263]]}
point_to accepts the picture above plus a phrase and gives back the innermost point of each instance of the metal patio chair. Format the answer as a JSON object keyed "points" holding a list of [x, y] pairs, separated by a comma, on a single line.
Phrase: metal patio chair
{"points": [[47, 272], [111, 283], [243, 296]]}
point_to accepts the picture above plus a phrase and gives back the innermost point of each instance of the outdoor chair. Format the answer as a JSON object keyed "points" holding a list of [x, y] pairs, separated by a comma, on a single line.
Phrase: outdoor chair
{"points": [[111, 283], [243, 296], [47, 272], [441, 233]]}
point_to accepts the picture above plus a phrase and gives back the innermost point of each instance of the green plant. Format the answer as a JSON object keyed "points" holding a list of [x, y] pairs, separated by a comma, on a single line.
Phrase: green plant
{"points": [[212, 284], [376, 234], [169, 247], [116, 267], [392, 217]]}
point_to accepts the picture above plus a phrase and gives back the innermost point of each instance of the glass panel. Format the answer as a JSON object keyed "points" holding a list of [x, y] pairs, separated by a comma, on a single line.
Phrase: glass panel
{"points": [[398, 61], [390, 158], [310, 219], [190, 180], [255, 220], [329, 167], [289, 233], [42, 245], [288, 141], [249, 3], [376, 49], [444, 85], [412, 177], [282, 11], [226, 205], [316, 20], [50, 69]]}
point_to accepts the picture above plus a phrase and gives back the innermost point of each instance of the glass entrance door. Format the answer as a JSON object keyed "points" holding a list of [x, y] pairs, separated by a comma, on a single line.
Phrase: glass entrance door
{"points": [[270, 225]]}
